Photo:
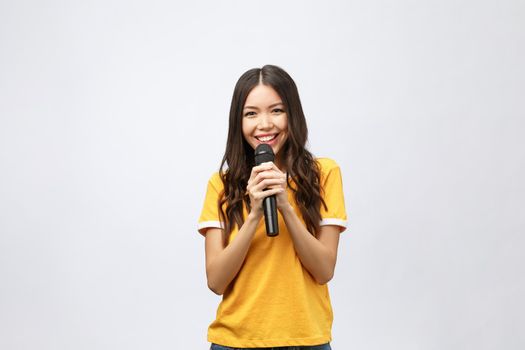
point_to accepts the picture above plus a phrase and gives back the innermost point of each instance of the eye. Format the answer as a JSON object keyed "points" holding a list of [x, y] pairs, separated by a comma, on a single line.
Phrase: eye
{"points": [[250, 114], [277, 111]]}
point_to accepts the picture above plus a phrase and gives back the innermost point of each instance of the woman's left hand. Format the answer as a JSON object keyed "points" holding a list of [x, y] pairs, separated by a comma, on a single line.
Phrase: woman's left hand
{"points": [[275, 173]]}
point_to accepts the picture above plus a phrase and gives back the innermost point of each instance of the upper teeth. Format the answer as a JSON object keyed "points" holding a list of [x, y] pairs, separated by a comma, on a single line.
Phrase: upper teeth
{"points": [[266, 138]]}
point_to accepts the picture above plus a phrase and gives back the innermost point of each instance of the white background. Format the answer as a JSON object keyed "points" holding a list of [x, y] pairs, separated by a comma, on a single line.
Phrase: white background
{"points": [[113, 114]]}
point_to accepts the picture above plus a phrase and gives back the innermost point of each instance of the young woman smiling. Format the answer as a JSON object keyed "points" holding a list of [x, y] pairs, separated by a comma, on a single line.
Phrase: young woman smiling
{"points": [[274, 289]]}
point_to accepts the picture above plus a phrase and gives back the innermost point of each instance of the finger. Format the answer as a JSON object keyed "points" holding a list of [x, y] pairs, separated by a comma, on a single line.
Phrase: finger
{"points": [[253, 173], [257, 170], [263, 176], [271, 192], [263, 167], [269, 174], [254, 179], [273, 166], [268, 183]]}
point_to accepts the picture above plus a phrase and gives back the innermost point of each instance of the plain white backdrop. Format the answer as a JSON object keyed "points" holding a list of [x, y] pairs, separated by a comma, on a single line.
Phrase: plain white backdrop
{"points": [[113, 114]]}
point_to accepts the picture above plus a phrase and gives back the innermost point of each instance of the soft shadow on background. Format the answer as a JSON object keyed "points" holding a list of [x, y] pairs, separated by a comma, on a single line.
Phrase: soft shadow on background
{"points": [[113, 115]]}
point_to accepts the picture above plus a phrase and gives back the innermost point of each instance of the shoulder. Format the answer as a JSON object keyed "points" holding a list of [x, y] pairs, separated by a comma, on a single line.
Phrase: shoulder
{"points": [[326, 165], [215, 181]]}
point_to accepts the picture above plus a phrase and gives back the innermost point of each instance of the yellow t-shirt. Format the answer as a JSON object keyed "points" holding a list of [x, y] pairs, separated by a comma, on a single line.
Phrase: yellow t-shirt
{"points": [[273, 300]]}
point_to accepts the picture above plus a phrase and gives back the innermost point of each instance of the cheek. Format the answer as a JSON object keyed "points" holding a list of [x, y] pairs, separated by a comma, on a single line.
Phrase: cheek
{"points": [[284, 125], [284, 121], [247, 129], [285, 137], [244, 128], [285, 129]]}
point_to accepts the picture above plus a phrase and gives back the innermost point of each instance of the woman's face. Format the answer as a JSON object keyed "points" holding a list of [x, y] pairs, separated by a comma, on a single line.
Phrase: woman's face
{"points": [[264, 118]]}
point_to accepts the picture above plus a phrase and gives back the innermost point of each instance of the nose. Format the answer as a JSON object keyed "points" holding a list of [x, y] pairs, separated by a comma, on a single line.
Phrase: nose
{"points": [[265, 122]]}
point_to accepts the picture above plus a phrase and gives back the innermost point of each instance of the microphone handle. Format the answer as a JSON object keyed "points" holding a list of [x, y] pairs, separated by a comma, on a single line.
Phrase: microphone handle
{"points": [[270, 216]]}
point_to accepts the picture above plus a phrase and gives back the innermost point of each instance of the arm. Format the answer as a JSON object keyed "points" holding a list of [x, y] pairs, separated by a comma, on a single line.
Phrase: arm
{"points": [[318, 255], [224, 262]]}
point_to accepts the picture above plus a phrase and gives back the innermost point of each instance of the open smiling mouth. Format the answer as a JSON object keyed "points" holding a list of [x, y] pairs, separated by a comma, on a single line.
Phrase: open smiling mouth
{"points": [[266, 138]]}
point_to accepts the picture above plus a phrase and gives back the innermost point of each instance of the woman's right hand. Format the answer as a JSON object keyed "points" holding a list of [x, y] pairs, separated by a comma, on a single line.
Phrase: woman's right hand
{"points": [[263, 182]]}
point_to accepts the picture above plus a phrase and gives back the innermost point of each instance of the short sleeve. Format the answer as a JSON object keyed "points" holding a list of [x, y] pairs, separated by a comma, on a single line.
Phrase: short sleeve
{"points": [[333, 195], [209, 217]]}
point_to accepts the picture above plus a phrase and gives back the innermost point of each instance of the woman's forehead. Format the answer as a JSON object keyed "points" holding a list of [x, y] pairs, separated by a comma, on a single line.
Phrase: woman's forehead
{"points": [[262, 96]]}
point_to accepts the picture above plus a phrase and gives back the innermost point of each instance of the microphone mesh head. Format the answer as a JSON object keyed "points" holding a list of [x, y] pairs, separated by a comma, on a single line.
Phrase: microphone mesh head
{"points": [[263, 153]]}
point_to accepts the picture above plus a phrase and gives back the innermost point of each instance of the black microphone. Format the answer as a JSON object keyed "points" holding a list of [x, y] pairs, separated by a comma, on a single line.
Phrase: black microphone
{"points": [[264, 153]]}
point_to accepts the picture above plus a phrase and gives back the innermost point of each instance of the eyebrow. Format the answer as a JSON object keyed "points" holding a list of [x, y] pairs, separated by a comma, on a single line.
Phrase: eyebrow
{"points": [[270, 106]]}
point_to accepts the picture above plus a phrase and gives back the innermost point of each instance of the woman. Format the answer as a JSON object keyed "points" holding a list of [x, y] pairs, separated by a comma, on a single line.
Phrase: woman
{"points": [[274, 288]]}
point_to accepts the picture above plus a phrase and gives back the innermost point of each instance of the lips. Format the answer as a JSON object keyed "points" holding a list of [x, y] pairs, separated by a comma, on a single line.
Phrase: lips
{"points": [[266, 138]]}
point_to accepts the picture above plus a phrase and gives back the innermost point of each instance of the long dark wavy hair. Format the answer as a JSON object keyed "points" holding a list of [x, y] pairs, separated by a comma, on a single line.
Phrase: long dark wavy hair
{"points": [[302, 169]]}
